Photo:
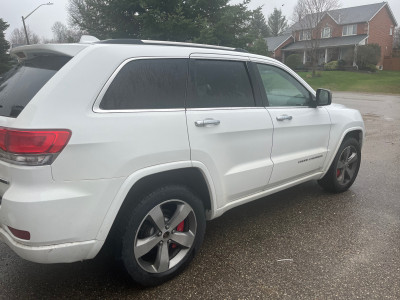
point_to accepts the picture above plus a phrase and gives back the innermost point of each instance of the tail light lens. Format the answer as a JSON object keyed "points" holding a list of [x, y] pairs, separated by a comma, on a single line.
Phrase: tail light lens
{"points": [[21, 234], [32, 147]]}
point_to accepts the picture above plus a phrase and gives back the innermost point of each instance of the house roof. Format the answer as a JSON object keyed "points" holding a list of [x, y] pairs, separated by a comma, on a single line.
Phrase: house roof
{"points": [[348, 15], [332, 42], [357, 14], [274, 42]]}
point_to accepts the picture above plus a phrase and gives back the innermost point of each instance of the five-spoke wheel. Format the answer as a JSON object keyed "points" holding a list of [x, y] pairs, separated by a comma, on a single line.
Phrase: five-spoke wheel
{"points": [[165, 236], [163, 232], [347, 165], [344, 168]]}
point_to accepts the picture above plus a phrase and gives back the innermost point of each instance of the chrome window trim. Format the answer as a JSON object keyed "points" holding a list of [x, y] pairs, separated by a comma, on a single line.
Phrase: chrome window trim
{"points": [[289, 107], [96, 106], [219, 56], [224, 108]]}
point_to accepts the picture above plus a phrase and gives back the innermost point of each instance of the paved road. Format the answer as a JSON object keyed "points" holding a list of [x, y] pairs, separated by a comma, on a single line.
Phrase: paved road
{"points": [[338, 246]]}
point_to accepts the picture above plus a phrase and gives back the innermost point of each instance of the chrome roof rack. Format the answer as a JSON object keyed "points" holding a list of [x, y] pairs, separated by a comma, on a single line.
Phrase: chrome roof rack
{"points": [[166, 43]]}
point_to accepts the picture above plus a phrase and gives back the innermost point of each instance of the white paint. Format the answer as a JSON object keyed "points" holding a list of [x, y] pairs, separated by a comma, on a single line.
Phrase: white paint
{"points": [[326, 55], [69, 207]]}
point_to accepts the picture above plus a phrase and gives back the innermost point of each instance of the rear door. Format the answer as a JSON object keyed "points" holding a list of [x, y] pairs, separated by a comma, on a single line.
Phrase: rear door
{"points": [[301, 132], [230, 132]]}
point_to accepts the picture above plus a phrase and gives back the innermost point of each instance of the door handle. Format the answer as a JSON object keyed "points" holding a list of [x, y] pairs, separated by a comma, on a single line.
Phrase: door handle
{"points": [[207, 123], [284, 117]]}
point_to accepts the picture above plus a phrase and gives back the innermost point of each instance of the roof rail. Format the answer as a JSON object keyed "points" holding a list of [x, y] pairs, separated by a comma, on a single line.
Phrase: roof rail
{"points": [[87, 39], [165, 43]]}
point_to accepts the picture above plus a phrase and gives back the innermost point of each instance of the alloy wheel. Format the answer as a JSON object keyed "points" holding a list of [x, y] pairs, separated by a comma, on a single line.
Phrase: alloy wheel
{"points": [[165, 236], [347, 165]]}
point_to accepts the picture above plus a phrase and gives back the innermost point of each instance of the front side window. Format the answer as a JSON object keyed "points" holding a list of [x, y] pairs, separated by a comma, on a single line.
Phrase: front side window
{"points": [[281, 88], [218, 83], [349, 30], [326, 32], [148, 84]]}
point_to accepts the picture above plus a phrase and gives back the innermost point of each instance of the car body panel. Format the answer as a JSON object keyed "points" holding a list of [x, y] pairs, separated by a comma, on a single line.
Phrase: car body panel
{"points": [[73, 202]]}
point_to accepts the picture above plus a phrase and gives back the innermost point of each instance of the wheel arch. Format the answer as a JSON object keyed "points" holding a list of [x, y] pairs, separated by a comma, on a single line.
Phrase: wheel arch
{"points": [[138, 184], [354, 132], [357, 134]]}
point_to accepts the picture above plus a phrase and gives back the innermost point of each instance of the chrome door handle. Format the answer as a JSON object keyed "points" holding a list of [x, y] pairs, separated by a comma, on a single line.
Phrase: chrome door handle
{"points": [[207, 122], [284, 117]]}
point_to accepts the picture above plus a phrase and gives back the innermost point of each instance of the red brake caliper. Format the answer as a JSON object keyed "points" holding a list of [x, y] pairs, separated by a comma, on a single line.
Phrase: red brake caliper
{"points": [[179, 228], [337, 173]]}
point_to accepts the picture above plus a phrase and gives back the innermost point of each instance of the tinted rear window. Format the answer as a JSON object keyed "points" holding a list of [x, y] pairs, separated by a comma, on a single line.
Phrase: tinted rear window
{"points": [[221, 84], [19, 85], [148, 84]]}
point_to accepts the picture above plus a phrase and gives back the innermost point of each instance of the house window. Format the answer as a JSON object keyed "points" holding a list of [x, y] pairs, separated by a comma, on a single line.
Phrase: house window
{"points": [[326, 32], [391, 31], [349, 30], [305, 35]]}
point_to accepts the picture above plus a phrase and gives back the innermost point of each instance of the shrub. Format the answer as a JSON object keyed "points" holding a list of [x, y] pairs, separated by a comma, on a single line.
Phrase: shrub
{"points": [[370, 68], [368, 55], [331, 66], [293, 61]]}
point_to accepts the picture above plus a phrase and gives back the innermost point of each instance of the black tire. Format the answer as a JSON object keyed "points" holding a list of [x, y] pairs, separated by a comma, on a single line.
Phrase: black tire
{"points": [[162, 208], [344, 168]]}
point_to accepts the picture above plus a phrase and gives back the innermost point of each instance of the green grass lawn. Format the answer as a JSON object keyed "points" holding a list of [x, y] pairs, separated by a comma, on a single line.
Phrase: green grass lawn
{"points": [[387, 82]]}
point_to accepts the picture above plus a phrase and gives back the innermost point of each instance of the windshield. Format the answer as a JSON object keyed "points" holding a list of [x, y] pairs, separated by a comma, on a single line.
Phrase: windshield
{"points": [[19, 85]]}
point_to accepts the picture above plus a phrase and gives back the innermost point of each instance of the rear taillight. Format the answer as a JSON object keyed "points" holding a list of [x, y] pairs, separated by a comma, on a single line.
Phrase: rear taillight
{"points": [[32, 147]]}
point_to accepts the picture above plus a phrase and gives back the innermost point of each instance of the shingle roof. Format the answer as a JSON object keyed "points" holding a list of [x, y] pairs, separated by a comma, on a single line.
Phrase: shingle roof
{"points": [[348, 15], [332, 42], [275, 41], [358, 14]]}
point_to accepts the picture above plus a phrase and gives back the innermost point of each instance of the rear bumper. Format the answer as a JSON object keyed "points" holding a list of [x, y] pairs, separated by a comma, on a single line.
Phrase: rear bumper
{"points": [[62, 218], [61, 253]]}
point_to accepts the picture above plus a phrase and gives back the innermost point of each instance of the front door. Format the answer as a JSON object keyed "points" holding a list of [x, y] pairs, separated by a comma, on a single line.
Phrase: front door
{"points": [[301, 132], [228, 132]]}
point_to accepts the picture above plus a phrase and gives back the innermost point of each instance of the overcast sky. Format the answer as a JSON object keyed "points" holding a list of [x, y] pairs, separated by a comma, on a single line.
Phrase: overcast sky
{"points": [[41, 20]]}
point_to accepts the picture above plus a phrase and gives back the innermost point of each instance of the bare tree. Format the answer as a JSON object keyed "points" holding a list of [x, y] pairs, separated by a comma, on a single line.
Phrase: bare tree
{"points": [[59, 32], [63, 34], [18, 37], [307, 15]]}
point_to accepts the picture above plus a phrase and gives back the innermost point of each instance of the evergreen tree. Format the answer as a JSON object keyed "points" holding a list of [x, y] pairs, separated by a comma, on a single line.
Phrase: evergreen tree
{"points": [[5, 61], [277, 23], [202, 21], [258, 24], [259, 47]]}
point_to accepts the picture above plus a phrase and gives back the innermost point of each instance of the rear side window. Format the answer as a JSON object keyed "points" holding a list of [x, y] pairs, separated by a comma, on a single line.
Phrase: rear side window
{"points": [[19, 85], [221, 84], [148, 84]]}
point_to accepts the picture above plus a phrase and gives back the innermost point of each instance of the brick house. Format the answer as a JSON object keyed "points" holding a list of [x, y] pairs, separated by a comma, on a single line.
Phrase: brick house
{"points": [[276, 43], [338, 33]]}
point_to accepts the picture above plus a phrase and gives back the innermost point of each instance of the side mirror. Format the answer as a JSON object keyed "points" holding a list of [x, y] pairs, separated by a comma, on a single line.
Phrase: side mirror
{"points": [[324, 97]]}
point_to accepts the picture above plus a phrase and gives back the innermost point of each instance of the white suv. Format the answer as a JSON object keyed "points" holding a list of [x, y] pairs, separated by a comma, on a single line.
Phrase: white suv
{"points": [[139, 142]]}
